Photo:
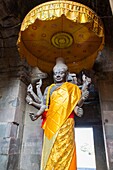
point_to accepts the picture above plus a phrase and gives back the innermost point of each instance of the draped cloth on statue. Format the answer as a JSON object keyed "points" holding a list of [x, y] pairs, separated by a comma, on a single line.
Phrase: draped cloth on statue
{"points": [[59, 151], [62, 102]]}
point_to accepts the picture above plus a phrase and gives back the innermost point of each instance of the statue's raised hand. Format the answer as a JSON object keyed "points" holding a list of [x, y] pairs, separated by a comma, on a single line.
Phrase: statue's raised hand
{"points": [[85, 94], [30, 88], [38, 87], [86, 81], [39, 84]]}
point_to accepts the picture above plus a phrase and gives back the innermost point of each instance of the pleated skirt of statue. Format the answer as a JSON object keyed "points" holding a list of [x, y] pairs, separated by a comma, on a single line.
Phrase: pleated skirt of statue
{"points": [[59, 153]]}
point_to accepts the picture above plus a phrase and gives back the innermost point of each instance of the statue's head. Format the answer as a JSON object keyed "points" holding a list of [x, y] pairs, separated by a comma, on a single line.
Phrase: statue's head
{"points": [[60, 71]]}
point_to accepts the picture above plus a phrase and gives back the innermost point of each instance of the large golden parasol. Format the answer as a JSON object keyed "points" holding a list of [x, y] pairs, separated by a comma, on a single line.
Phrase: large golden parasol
{"points": [[61, 29]]}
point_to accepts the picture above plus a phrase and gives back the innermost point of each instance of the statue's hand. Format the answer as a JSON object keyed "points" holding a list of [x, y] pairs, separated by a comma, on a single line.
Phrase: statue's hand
{"points": [[39, 84], [29, 100], [85, 94], [79, 112], [86, 79], [33, 116], [30, 88], [86, 82]]}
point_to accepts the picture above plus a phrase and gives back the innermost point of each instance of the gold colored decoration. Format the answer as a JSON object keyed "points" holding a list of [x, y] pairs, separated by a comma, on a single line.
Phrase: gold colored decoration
{"points": [[61, 29], [64, 147], [62, 40]]}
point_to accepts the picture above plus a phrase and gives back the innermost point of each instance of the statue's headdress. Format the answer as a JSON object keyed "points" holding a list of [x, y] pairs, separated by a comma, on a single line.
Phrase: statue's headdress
{"points": [[60, 64]]}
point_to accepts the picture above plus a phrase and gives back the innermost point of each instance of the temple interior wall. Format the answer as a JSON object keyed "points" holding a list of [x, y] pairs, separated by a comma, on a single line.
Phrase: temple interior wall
{"points": [[20, 138]]}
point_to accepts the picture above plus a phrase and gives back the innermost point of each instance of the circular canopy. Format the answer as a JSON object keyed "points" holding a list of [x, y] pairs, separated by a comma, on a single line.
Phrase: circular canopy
{"points": [[61, 29]]}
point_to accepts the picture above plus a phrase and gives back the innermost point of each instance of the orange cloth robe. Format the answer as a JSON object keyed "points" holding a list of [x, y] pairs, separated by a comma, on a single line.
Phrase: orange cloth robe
{"points": [[59, 129]]}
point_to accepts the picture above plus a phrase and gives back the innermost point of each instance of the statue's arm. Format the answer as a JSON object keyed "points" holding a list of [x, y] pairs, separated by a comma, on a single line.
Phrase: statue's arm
{"points": [[30, 101], [35, 116], [45, 95], [85, 92], [31, 92], [84, 96], [38, 88], [78, 110]]}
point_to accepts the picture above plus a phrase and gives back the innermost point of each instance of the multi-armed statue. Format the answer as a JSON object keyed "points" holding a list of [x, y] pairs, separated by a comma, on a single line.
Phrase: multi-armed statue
{"points": [[38, 99], [57, 106]]}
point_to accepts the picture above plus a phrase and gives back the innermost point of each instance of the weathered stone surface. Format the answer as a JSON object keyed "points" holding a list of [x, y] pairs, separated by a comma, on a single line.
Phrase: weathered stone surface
{"points": [[4, 146], [9, 145], [32, 136], [106, 90], [3, 162], [104, 61], [99, 148], [32, 142], [3, 10], [14, 130], [106, 98], [110, 152], [108, 117], [1, 42], [20, 109], [109, 130], [13, 162], [5, 128], [14, 146], [12, 107], [107, 105], [31, 161], [9, 153], [7, 8], [11, 53], [9, 101], [9, 23], [10, 42]]}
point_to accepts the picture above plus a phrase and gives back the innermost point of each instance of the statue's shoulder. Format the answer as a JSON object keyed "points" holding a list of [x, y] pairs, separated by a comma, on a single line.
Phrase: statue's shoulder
{"points": [[71, 85], [49, 88]]}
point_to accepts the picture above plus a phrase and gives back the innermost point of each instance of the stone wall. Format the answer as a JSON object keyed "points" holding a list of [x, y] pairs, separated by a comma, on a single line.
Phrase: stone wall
{"points": [[12, 109], [20, 138], [32, 142], [106, 101]]}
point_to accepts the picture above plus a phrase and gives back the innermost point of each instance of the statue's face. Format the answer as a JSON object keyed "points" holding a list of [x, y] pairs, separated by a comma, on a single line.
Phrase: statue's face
{"points": [[59, 75]]}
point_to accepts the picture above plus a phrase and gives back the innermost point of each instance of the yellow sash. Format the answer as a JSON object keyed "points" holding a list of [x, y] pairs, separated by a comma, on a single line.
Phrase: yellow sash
{"points": [[62, 102]]}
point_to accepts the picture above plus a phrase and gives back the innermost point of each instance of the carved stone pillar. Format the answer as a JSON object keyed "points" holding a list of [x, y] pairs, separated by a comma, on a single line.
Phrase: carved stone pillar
{"points": [[106, 101], [12, 111]]}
